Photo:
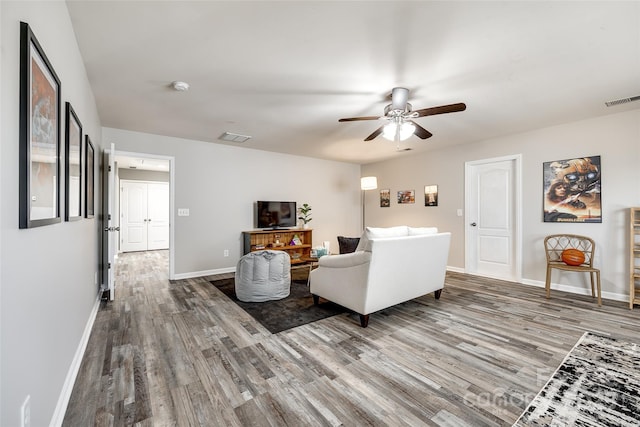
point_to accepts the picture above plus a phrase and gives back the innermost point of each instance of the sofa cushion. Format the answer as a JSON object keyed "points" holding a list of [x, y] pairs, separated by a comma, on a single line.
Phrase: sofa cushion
{"points": [[418, 231], [398, 231], [377, 233], [347, 244]]}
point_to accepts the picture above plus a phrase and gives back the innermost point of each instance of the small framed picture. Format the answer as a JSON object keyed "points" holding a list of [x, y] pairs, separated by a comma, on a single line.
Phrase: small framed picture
{"points": [[431, 195], [385, 198], [406, 197]]}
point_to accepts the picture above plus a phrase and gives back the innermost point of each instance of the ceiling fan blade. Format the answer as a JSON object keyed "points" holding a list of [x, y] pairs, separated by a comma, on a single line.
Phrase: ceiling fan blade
{"points": [[354, 119], [374, 134], [421, 132], [399, 98], [451, 108]]}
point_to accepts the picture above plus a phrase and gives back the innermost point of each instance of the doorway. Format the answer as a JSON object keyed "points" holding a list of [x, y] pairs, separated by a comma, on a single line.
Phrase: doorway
{"points": [[116, 163], [493, 218]]}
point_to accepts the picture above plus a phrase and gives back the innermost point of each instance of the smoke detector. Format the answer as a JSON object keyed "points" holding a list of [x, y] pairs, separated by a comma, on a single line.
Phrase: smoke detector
{"points": [[180, 86]]}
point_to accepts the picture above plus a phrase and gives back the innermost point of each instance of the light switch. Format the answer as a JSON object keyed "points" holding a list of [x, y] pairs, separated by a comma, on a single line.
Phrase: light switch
{"points": [[459, 212], [183, 212]]}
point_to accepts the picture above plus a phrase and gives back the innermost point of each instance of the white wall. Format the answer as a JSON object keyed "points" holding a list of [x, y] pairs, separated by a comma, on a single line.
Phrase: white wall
{"points": [[220, 184], [47, 283], [615, 137]]}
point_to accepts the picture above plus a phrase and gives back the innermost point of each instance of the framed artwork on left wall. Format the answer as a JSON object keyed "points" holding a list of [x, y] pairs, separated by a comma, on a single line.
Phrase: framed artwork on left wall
{"points": [[39, 135], [72, 165], [89, 185]]}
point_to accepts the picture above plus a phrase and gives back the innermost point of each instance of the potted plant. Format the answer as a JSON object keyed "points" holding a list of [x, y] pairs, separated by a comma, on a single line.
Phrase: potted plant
{"points": [[304, 214]]}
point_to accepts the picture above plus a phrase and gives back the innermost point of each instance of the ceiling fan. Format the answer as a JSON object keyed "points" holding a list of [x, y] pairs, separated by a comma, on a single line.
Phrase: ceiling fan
{"points": [[400, 117]]}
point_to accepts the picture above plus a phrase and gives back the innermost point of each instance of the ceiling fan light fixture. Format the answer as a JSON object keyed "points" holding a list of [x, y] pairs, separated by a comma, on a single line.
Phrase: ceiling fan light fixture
{"points": [[406, 130]]}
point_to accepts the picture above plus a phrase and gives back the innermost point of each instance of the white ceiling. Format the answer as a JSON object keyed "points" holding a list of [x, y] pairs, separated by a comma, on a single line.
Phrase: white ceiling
{"points": [[285, 72]]}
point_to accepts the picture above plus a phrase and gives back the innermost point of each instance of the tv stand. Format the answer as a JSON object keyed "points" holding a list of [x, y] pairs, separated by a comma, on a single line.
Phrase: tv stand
{"points": [[279, 240]]}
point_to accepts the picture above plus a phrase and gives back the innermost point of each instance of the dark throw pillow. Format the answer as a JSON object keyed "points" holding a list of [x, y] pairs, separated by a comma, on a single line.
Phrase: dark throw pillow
{"points": [[348, 244]]}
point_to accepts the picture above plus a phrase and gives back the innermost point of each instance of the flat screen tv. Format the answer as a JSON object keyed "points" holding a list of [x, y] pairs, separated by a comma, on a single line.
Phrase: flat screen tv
{"points": [[272, 214]]}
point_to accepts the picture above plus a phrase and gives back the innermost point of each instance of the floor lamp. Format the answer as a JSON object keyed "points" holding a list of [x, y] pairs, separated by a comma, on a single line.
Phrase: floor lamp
{"points": [[367, 183]]}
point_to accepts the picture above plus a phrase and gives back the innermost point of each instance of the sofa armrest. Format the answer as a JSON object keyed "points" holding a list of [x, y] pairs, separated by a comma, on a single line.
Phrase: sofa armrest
{"points": [[345, 260]]}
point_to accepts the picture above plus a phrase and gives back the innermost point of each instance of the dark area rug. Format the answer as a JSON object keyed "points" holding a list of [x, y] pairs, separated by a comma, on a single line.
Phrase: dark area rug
{"points": [[295, 310], [596, 385]]}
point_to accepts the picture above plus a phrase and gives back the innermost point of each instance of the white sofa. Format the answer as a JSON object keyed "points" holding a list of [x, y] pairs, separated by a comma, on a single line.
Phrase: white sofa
{"points": [[390, 266]]}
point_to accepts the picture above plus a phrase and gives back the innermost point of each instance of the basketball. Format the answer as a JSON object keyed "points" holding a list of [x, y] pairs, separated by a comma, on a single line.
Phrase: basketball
{"points": [[572, 256]]}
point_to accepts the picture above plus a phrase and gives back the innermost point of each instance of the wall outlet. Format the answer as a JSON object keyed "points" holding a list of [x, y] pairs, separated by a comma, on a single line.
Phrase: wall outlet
{"points": [[183, 212], [226, 252], [25, 412], [95, 279]]}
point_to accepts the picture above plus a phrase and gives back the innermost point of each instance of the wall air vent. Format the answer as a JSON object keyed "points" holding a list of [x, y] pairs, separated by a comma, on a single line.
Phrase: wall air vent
{"points": [[233, 137], [622, 101]]}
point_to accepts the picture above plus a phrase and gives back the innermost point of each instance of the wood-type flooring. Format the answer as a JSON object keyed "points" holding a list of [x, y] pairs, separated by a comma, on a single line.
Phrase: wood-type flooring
{"points": [[180, 353]]}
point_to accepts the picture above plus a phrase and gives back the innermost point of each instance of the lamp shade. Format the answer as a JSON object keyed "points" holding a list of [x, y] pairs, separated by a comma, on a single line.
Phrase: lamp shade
{"points": [[406, 130], [368, 183]]}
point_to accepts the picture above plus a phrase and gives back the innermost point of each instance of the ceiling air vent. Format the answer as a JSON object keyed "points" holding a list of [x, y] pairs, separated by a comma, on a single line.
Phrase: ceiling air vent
{"points": [[233, 137], [622, 101]]}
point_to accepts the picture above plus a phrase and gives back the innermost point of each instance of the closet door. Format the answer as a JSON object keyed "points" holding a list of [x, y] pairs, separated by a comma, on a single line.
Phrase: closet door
{"points": [[133, 208], [158, 216]]}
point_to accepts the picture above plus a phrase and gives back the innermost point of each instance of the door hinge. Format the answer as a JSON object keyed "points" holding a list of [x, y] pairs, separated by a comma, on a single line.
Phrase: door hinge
{"points": [[108, 265], [109, 168], [109, 217]]}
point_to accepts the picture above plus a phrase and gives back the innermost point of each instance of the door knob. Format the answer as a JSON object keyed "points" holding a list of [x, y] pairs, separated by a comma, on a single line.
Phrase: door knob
{"points": [[473, 224]]}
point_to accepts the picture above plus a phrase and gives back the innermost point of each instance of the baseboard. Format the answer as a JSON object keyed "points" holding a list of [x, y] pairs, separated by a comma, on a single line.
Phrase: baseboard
{"points": [[554, 286], [67, 388], [193, 274], [575, 290]]}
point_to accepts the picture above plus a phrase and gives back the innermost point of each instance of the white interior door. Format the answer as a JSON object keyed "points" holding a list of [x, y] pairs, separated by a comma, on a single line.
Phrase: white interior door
{"points": [[158, 216], [144, 215], [492, 206], [133, 206]]}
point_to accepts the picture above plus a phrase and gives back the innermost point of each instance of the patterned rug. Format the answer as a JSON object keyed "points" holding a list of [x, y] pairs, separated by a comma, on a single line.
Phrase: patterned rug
{"points": [[295, 310], [597, 384]]}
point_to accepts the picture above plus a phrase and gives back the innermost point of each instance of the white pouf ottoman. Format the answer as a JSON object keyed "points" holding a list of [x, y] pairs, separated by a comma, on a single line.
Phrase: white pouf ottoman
{"points": [[263, 276]]}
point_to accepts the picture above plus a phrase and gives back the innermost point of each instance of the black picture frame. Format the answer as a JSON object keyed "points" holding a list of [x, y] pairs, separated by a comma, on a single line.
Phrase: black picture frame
{"points": [[73, 165], [89, 186], [40, 111]]}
